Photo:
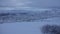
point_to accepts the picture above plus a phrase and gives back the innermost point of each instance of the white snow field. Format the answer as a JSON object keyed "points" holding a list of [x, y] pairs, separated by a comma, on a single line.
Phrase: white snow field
{"points": [[27, 27], [31, 27]]}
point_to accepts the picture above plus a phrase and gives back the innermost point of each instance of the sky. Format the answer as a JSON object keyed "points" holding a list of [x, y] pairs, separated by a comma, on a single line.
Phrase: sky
{"points": [[29, 4]]}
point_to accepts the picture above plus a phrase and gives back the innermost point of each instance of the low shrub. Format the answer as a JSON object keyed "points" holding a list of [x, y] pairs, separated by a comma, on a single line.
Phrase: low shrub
{"points": [[50, 29]]}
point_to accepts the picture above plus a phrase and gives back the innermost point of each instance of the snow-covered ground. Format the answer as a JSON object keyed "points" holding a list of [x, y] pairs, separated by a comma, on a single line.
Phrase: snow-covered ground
{"points": [[31, 27], [27, 27], [27, 15]]}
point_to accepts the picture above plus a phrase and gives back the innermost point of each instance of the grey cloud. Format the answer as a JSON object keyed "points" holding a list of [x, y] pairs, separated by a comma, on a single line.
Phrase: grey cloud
{"points": [[17, 4], [13, 3], [45, 3]]}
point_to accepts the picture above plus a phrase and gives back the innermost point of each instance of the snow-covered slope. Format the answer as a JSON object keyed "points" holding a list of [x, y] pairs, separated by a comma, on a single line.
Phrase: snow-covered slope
{"points": [[27, 16]]}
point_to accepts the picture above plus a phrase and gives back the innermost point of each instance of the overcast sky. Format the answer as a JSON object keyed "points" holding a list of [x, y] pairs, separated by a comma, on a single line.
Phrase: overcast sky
{"points": [[12, 4]]}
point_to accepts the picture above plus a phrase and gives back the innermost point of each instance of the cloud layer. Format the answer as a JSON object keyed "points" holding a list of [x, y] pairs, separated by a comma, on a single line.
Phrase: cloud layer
{"points": [[28, 4]]}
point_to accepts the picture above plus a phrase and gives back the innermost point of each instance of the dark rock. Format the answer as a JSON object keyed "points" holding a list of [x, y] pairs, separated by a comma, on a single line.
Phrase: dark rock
{"points": [[4, 14]]}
